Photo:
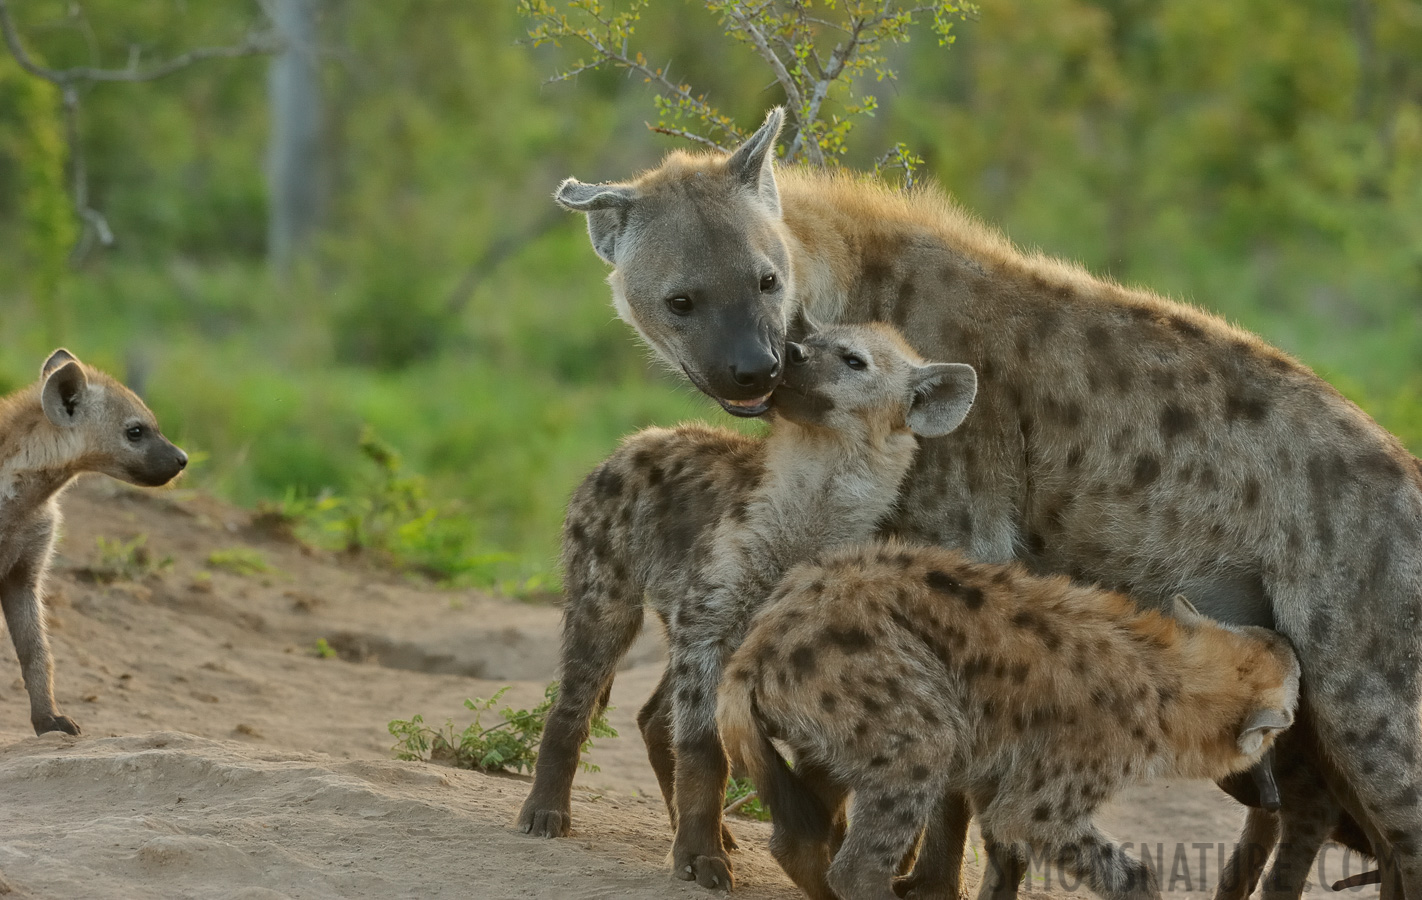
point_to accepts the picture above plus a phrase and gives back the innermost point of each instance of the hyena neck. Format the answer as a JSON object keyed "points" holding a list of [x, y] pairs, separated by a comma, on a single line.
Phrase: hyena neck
{"points": [[37, 459], [822, 488]]}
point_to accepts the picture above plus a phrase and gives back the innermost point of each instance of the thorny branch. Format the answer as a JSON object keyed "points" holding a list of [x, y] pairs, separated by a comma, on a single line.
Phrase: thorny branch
{"points": [[787, 37], [96, 227]]}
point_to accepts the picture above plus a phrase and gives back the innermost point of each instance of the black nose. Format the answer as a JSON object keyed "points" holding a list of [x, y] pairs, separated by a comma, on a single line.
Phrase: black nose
{"points": [[759, 374], [796, 352], [182, 459]]}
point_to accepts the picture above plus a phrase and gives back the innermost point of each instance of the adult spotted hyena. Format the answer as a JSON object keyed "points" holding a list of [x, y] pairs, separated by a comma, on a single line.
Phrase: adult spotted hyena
{"points": [[1119, 438]]}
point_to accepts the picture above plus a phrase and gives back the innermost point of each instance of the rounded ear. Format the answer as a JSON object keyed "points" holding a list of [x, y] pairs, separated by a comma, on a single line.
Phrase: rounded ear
{"points": [[605, 205], [1184, 611], [1261, 724], [63, 392], [56, 359], [753, 162], [940, 396]]}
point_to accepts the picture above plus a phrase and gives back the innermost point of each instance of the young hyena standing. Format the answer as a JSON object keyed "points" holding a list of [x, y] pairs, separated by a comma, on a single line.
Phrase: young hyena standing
{"points": [[75, 419], [1121, 438], [702, 523], [900, 674]]}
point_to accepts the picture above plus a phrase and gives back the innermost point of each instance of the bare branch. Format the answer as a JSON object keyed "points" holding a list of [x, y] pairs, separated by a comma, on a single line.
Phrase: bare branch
{"points": [[96, 227], [688, 135], [739, 802], [255, 44]]}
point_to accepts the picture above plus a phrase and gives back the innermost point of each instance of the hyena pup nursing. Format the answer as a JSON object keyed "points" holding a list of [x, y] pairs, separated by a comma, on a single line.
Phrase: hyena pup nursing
{"points": [[74, 419], [702, 523], [898, 675]]}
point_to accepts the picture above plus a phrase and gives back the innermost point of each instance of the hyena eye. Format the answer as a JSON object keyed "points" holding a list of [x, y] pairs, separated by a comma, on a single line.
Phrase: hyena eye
{"points": [[768, 283], [134, 433], [680, 304], [854, 361]]}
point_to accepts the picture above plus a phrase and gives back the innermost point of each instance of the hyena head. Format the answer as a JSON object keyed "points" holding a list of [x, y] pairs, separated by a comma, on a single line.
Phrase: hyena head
{"points": [[1268, 680], [113, 431], [860, 379], [701, 266]]}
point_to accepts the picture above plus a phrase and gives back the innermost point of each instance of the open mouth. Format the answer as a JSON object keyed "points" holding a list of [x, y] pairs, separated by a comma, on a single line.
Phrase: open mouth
{"points": [[746, 409]]}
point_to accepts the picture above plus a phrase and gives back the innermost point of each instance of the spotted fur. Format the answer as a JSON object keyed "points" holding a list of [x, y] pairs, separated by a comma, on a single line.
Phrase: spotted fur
{"points": [[1122, 438], [899, 674], [702, 523]]}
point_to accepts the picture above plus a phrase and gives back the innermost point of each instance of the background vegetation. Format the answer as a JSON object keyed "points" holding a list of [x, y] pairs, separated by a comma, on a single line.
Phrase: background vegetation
{"points": [[1262, 158]]}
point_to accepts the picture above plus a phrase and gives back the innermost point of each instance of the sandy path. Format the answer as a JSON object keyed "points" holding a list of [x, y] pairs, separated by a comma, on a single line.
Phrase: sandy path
{"points": [[223, 759]]}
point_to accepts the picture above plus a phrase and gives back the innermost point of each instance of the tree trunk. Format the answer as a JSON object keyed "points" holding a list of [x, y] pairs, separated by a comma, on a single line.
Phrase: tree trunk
{"points": [[294, 148]]}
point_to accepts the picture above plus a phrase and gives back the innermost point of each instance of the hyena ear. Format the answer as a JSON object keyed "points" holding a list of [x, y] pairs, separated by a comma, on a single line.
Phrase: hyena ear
{"points": [[62, 393], [940, 395], [1260, 724], [56, 359], [1184, 611], [754, 161], [605, 205]]}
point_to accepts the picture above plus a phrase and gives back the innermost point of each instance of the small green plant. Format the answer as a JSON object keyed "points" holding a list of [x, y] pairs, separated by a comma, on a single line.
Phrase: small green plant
{"points": [[239, 561], [743, 800], [510, 745], [390, 517], [323, 649], [120, 560]]}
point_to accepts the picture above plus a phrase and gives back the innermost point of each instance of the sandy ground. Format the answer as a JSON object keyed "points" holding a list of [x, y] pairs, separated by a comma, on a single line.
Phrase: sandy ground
{"points": [[221, 758]]}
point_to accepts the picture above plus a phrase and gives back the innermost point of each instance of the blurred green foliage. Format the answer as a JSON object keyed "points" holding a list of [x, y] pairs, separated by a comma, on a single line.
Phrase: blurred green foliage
{"points": [[1261, 158]]}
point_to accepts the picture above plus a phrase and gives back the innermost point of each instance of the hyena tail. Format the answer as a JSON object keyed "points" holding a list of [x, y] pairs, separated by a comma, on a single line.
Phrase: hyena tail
{"points": [[799, 815]]}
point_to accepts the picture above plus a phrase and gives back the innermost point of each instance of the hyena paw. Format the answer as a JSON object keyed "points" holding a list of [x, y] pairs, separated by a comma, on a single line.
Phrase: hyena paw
{"points": [[708, 871], [728, 840], [548, 823], [917, 887], [56, 723]]}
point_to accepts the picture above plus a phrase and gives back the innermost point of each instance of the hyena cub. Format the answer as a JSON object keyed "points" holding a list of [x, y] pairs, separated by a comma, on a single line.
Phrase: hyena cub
{"points": [[702, 523], [898, 675], [75, 419]]}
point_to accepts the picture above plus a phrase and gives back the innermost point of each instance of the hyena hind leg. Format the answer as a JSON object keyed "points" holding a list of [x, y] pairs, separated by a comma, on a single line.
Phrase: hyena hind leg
{"points": [[595, 638], [938, 872], [1102, 866], [885, 824]]}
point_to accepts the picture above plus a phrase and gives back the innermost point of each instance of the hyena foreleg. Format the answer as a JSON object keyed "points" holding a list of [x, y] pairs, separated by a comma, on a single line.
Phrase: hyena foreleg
{"points": [[24, 615]]}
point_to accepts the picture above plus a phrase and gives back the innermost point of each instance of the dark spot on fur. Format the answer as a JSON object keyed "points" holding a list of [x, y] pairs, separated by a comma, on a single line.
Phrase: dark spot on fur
{"points": [[802, 659], [878, 760], [850, 640], [1042, 813], [1176, 420], [944, 583], [1147, 470], [1251, 408], [1184, 326], [1251, 492], [919, 773], [609, 483], [1074, 457]]}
